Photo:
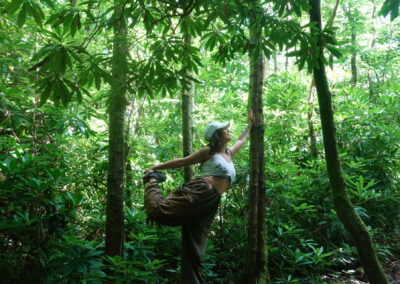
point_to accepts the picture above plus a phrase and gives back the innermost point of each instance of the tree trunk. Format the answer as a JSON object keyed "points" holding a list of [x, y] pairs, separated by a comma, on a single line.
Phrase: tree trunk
{"points": [[129, 184], [353, 58], [370, 80], [311, 130], [353, 63], [286, 63], [257, 258], [116, 159], [351, 221], [187, 115]]}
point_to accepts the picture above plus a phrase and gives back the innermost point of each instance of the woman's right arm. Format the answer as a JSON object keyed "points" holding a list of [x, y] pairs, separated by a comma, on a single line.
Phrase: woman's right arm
{"points": [[194, 158]]}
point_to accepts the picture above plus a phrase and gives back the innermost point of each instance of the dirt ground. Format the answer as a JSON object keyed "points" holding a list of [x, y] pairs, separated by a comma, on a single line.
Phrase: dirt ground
{"points": [[392, 270]]}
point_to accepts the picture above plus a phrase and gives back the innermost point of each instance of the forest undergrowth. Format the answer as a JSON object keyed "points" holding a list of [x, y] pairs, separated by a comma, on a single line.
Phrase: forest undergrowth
{"points": [[53, 192]]}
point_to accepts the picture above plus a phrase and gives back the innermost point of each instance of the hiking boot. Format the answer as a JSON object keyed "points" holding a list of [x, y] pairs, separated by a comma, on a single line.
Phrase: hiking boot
{"points": [[159, 176]]}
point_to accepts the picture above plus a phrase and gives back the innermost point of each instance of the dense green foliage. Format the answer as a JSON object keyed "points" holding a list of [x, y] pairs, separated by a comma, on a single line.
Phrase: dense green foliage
{"points": [[53, 159]]}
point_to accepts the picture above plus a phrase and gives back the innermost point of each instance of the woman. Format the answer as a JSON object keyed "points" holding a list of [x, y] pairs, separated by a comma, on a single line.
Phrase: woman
{"points": [[194, 204]]}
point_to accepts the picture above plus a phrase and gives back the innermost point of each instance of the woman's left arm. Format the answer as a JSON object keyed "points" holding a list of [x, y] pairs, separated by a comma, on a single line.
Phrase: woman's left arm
{"points": [[243, 137]]}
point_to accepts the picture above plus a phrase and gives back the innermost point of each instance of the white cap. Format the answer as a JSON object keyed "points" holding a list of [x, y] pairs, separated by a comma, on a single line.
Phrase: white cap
{"points": [[212, 127]]}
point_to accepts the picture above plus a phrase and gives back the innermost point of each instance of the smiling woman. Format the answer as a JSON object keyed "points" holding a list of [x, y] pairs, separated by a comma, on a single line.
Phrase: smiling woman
{"points": [[194, 204]]}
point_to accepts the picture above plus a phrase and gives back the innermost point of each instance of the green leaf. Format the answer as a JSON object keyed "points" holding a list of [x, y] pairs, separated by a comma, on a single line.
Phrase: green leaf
{"points": [[166, 29], [53, 18], [73, 28], [106, 76], [44, 96], [68, 59], [49, 3], [60, 61], [64, 93], [266, 51], [335, 51], [392, 7], [78, 21], [42, 52], [67, 21], [97, 81], [211, 42], [79, 96], [296, 8], [195, 68], [301, 62], [12, 7], [74, 55], [37, 14], [22, 16], [294, 53]]}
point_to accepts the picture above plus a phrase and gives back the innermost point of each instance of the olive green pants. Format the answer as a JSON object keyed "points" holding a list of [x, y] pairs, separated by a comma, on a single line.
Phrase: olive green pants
{"points": [[193, 206]]}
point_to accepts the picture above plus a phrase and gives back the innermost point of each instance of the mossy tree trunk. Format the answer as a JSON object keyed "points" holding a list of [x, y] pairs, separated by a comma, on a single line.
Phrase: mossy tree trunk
{"points": [[351, 221], [311, 130], [187, 113], [116, 161], [257, 257]]}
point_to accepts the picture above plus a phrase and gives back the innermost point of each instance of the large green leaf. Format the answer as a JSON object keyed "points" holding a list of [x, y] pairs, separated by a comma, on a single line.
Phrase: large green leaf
{"points": [[22, 16], [392, 7], [13, 6]]}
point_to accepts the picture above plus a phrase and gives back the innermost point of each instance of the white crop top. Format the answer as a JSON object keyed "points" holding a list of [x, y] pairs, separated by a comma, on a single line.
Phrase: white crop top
{"points": [[218, 166]]}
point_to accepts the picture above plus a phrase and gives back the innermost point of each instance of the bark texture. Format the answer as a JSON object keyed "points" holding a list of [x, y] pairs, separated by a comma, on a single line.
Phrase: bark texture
{"points": [[187, 115], [311, 131], [351, 221], [257, 258], [116, 161], [353, 58], [370, 79]]}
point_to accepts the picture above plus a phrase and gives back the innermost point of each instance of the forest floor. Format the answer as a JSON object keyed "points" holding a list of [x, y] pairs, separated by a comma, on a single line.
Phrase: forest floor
{"points": [[392, 270]]}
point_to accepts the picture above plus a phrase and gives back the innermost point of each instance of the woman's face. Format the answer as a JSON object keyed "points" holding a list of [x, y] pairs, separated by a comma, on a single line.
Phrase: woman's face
{"points": [[226, 135]]}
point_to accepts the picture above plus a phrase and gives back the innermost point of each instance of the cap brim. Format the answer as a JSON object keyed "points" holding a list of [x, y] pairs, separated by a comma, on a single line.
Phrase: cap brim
{"points": [[225, 124]]}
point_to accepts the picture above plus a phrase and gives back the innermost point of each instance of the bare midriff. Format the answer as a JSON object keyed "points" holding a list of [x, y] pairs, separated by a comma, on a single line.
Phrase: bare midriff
{"points": [[218, 183]]}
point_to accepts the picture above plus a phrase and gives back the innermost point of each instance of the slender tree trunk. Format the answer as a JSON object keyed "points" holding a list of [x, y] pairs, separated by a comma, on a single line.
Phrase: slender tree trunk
{"points": [[127, 152], [353, 40], [274, 56], [370, 79], [257, 258], [187, 115], [129, 184], [116, 160], [311, 97], [311, 130], [351, 221], [353, 57], [286, 63]]}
